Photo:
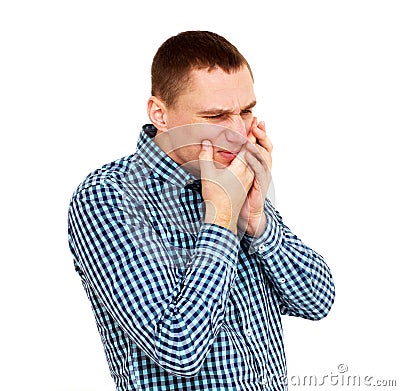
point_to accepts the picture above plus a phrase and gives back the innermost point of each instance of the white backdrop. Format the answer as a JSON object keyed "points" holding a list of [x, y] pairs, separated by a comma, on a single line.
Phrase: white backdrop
{"points": [[74, 80]]}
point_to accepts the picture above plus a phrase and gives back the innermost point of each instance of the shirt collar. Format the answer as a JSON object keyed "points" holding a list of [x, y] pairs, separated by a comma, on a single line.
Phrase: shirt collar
{"points": [[160, 164]]}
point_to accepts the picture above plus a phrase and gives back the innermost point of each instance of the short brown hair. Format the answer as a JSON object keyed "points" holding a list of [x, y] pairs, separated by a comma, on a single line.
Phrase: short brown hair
{"points": [[189, 50]]}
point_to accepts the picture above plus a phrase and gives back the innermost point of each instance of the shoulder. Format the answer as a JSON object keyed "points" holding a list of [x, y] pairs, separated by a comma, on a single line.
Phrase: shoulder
{"points": [[112, 177]]}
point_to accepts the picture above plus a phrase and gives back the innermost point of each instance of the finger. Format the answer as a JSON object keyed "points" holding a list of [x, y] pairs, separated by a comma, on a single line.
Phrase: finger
{"points": [[259, 132], [206, 161], [240, 167], [251, 136], [261, 175], [261, 154], [262, 138], [240, 158]]}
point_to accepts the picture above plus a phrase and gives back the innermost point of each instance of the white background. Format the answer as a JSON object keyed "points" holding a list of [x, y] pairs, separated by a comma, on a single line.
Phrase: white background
{"points": [[74, 80]]}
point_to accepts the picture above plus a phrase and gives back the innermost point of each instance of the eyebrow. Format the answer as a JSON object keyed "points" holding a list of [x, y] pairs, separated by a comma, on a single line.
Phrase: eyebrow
{"points": [[218, 110]]}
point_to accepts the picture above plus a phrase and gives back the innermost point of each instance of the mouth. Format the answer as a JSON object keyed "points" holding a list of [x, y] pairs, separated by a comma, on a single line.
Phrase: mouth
{"points": [[228, 154]]}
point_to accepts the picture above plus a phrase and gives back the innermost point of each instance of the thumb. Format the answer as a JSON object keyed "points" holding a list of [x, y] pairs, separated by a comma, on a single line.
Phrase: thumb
{"points": [[206, 157]]}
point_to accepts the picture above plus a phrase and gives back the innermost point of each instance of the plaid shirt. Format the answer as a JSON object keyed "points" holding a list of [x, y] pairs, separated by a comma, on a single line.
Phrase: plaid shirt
{"points": [[179, 304]]}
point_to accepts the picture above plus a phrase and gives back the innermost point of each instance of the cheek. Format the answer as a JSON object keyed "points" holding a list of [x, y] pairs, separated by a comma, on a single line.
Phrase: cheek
{"points": [[179, 118], [230, 124], [192, 153]]}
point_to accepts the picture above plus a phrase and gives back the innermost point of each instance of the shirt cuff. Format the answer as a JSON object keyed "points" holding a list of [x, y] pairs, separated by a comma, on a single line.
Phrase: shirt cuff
{"points": [[270, 240], [215, 242]]}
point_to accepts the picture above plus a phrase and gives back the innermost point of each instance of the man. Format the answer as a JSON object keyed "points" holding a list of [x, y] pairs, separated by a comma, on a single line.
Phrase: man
{"points": [[186, 262]]}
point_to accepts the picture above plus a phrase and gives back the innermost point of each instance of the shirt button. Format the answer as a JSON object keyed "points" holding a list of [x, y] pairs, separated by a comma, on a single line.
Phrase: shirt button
{"points": [[261, 248], [282, 280], [189, 182], [264, 381], [249, 332]]}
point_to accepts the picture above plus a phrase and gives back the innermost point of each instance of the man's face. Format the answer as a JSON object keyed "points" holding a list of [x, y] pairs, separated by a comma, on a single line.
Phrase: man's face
{"points": [[215, 98]]}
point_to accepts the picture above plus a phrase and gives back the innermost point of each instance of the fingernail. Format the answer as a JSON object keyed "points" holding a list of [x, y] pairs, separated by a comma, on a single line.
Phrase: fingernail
{"points": [[206, 144]]}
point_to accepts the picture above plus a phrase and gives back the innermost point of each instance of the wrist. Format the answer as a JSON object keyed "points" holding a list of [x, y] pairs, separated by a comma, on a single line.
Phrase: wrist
{"points": [[223, 218], [255, 226]]}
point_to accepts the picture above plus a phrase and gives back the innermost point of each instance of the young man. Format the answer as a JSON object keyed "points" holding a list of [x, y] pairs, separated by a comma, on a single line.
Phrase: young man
{"points": [[186, 262]]}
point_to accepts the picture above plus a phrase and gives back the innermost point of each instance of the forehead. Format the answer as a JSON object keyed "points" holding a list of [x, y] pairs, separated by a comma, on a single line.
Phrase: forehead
{"points": [[218, 88]]}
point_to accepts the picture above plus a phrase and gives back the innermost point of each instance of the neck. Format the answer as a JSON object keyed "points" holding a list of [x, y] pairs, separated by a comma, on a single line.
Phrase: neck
{"points": [[167, 145]]}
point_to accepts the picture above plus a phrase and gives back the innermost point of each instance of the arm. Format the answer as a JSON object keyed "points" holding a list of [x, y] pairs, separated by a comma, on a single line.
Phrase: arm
{"points": [[299, 274], [172, 313]]}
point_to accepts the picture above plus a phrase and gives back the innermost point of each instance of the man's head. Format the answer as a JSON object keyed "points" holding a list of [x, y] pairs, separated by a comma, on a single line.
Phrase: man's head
{"points": [[199, 77], [188, 51]]}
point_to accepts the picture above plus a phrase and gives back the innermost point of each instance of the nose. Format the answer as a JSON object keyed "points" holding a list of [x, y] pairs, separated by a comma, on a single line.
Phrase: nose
{"points": [[236, 132]]}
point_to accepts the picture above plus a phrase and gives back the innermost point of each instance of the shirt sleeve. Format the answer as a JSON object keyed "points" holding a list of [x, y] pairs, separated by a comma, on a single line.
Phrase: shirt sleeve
{"points": [[171, 307], [299, 274]]}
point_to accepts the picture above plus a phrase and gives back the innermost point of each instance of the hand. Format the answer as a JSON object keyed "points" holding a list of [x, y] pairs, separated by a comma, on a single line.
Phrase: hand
{"points": [[224, 190], [252, 218]]}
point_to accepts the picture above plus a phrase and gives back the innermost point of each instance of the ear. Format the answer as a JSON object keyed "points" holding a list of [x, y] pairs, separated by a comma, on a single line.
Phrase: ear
{"points": [[157, 112]]}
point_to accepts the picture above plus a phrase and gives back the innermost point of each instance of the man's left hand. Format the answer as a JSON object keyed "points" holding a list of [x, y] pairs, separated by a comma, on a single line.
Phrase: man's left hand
{"points": [[252, 218]]}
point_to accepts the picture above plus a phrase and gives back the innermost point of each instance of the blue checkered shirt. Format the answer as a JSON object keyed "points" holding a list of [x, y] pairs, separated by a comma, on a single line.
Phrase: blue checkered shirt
{"points": [[180, 304]]}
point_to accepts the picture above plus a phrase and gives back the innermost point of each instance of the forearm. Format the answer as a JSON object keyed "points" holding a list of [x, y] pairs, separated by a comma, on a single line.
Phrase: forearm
{"points": [[299, 274], [171, 307], [192, 320]]}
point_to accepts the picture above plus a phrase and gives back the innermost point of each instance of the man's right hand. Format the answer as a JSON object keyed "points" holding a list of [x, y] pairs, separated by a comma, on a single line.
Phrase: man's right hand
{"points": [[224, 190]]}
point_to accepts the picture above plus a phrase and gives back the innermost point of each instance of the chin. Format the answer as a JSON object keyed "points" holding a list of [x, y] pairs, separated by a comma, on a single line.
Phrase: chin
{"points": [[221, 163]]}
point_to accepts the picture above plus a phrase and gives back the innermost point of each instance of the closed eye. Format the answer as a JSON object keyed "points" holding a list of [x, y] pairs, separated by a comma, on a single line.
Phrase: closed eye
{"points": [[216, 116], [221, 115]]}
